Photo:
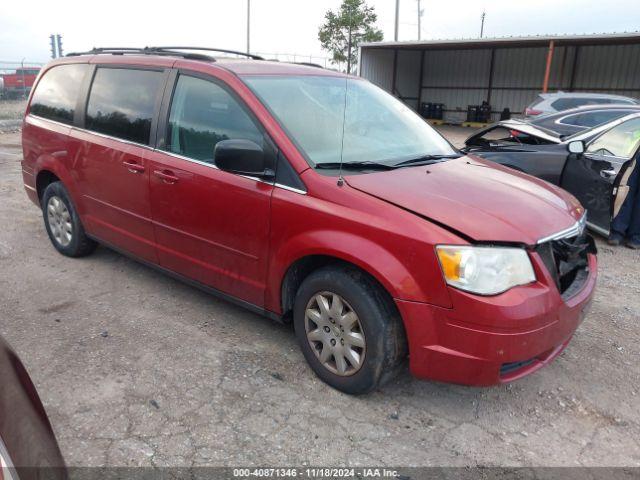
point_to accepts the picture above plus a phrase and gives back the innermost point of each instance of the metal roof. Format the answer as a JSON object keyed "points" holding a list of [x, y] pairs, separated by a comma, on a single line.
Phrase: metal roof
{"points": [[532, 41]]}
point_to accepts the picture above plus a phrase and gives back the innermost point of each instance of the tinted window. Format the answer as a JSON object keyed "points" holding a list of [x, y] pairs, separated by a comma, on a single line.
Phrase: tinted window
{"points": [[122, 101], [592, 119], [567, 103], [202, 114], [621, 141], [57, 92]]}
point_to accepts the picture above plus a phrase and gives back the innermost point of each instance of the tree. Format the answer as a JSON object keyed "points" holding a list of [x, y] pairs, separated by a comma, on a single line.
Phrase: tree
{"points": [[343, 31]]}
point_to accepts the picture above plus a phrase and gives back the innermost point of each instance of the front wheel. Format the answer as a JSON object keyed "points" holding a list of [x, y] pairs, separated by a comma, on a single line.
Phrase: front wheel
{"points": [[349, 329], [63, 223]]}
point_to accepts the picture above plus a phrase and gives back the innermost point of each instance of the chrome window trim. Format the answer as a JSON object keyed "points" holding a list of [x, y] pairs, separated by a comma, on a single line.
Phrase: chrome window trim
{"points": [[176, 155], [55, 122], [99, 134], [592, 132], [573, 231]]}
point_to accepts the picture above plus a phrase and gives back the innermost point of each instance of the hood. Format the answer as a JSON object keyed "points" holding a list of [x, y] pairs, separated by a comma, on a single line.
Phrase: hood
{"points": [[479, 199]]}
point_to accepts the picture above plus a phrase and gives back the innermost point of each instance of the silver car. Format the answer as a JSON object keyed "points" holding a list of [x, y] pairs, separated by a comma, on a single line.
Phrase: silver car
{"points": [[547, 103]]}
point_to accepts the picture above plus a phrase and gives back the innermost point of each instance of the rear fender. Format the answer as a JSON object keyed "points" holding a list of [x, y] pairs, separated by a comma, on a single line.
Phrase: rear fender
{"points": [[50, 163]]}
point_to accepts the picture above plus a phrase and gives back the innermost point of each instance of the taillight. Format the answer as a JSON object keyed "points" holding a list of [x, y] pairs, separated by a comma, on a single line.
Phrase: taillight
{"points": [[532, 112]]}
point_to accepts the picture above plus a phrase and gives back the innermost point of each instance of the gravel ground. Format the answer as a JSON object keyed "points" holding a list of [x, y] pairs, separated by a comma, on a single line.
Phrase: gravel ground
{"points": [[11, 111], [135, 368]]}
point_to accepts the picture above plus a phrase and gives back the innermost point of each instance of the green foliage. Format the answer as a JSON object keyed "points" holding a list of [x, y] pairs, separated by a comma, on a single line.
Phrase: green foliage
{"points": [[343, 31]]}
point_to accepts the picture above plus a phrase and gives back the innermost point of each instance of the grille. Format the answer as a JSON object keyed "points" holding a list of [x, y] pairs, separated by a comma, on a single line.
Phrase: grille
{"points": [[567, 261]]}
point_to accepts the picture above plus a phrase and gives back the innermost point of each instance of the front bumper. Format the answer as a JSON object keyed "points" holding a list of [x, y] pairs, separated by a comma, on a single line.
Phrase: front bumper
{"points": [[490, 340]]}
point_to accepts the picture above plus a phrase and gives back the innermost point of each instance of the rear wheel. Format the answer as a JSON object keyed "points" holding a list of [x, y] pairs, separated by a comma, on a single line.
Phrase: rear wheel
{"points": [[63, 223], [349, 329]]}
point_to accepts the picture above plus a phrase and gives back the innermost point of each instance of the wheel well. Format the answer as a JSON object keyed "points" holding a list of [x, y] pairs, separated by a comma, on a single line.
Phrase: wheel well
{"points": [[44, 178], [301, 269]]}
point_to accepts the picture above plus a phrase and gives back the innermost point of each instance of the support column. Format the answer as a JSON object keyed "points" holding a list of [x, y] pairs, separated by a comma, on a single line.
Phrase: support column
{"points": [[547, 73]]}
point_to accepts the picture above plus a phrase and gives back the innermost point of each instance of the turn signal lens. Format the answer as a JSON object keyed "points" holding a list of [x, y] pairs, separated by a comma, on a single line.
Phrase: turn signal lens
{"points": [[485, 270]]}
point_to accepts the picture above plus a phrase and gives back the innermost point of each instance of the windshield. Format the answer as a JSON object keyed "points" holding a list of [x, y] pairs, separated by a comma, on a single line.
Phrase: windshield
{"points": [[316, 110]]}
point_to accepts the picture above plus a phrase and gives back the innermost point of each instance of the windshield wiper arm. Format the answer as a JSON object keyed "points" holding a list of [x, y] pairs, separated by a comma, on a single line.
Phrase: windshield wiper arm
{"points": [[426, 160], [354, 166]]}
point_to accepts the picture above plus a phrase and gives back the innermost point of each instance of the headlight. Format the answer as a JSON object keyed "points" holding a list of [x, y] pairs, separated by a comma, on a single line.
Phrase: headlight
{"points": [[485, 270]]}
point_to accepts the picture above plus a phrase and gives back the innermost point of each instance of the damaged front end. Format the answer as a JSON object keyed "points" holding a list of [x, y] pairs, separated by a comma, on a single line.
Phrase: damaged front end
{"points": [[567, 260]]}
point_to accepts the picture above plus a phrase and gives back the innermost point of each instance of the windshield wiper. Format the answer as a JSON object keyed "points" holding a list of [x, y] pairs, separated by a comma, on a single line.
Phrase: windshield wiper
{"points": [[426, 160], [354, 166]]}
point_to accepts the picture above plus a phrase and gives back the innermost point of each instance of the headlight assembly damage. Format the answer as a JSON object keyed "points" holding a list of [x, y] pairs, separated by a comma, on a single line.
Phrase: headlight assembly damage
{"points": [[485, 270]]}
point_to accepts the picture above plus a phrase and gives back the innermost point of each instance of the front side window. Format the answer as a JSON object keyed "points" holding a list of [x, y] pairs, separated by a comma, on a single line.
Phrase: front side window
{"points": [[57, 93], [621, 141], [122, 101], [202, 114], [334, 118]]}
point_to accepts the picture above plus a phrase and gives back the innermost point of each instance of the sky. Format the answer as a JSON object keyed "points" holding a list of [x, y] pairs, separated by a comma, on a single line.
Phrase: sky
{"points": [[286, 26]]}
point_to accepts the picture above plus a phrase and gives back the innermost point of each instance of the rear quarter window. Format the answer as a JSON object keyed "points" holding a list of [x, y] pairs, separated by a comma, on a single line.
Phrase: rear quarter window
{"points": [[122, 103], [57, 92]]}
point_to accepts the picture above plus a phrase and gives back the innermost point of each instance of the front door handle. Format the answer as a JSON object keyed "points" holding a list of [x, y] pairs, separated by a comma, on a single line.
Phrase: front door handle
{"points": [[608, 173], [133, 167], [166, 176]]}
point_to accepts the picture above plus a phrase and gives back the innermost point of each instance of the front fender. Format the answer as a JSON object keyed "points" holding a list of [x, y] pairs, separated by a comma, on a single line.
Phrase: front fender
{"points": [[371, 257]]}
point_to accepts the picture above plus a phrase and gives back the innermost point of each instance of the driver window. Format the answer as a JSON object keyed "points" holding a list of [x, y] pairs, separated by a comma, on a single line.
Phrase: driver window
{"points": [[202, 114], [621, 141]]}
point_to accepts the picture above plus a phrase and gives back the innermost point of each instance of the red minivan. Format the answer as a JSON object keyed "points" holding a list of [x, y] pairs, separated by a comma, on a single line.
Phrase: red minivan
{"points": [[311, 197]]}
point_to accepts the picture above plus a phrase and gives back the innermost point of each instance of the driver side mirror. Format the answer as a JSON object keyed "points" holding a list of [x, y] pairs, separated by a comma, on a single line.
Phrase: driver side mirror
{"points": [[243, 157], [576, 147]]}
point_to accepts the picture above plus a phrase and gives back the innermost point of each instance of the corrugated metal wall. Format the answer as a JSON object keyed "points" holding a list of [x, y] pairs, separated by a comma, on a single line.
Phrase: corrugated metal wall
{"points": [[459, 78], [377, 67]]}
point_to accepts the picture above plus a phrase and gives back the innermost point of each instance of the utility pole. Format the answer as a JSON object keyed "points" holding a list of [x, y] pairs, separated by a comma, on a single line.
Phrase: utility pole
{"points": [[484, 14], [248, 26], [59, 45], [395, 33], [420, 12], [349, 46], [52, 42]]}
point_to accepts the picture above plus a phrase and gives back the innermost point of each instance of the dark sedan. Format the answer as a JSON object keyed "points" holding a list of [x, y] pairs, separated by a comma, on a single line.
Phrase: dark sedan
{"points": [[28, 447], [591, 165], [576, 120]]}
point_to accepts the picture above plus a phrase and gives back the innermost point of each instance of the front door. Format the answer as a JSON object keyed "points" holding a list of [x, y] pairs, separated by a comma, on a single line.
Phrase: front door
{"points": [[210, 225], [591, 176], [113, 175]]}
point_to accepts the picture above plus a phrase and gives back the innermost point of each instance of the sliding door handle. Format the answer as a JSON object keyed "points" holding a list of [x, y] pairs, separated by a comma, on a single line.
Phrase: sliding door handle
{"points": [[133, 167], [166, 176]]}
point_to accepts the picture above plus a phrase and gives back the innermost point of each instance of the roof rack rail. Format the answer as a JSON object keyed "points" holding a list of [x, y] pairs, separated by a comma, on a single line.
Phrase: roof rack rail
{"points": [[166, 51], [140, 51], [207, 49]]}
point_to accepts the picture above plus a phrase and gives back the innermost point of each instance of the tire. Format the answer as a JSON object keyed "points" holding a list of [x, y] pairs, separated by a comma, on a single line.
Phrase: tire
{"points": [[63, 224], [377, 326]]}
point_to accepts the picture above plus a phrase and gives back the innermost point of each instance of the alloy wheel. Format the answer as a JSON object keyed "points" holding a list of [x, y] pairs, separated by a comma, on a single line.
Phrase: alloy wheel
{"points": [[59, 219], [335, 333]]}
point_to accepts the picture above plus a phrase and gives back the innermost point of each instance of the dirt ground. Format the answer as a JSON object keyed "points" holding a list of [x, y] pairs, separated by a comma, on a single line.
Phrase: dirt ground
{"points": [[135, 368]]}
